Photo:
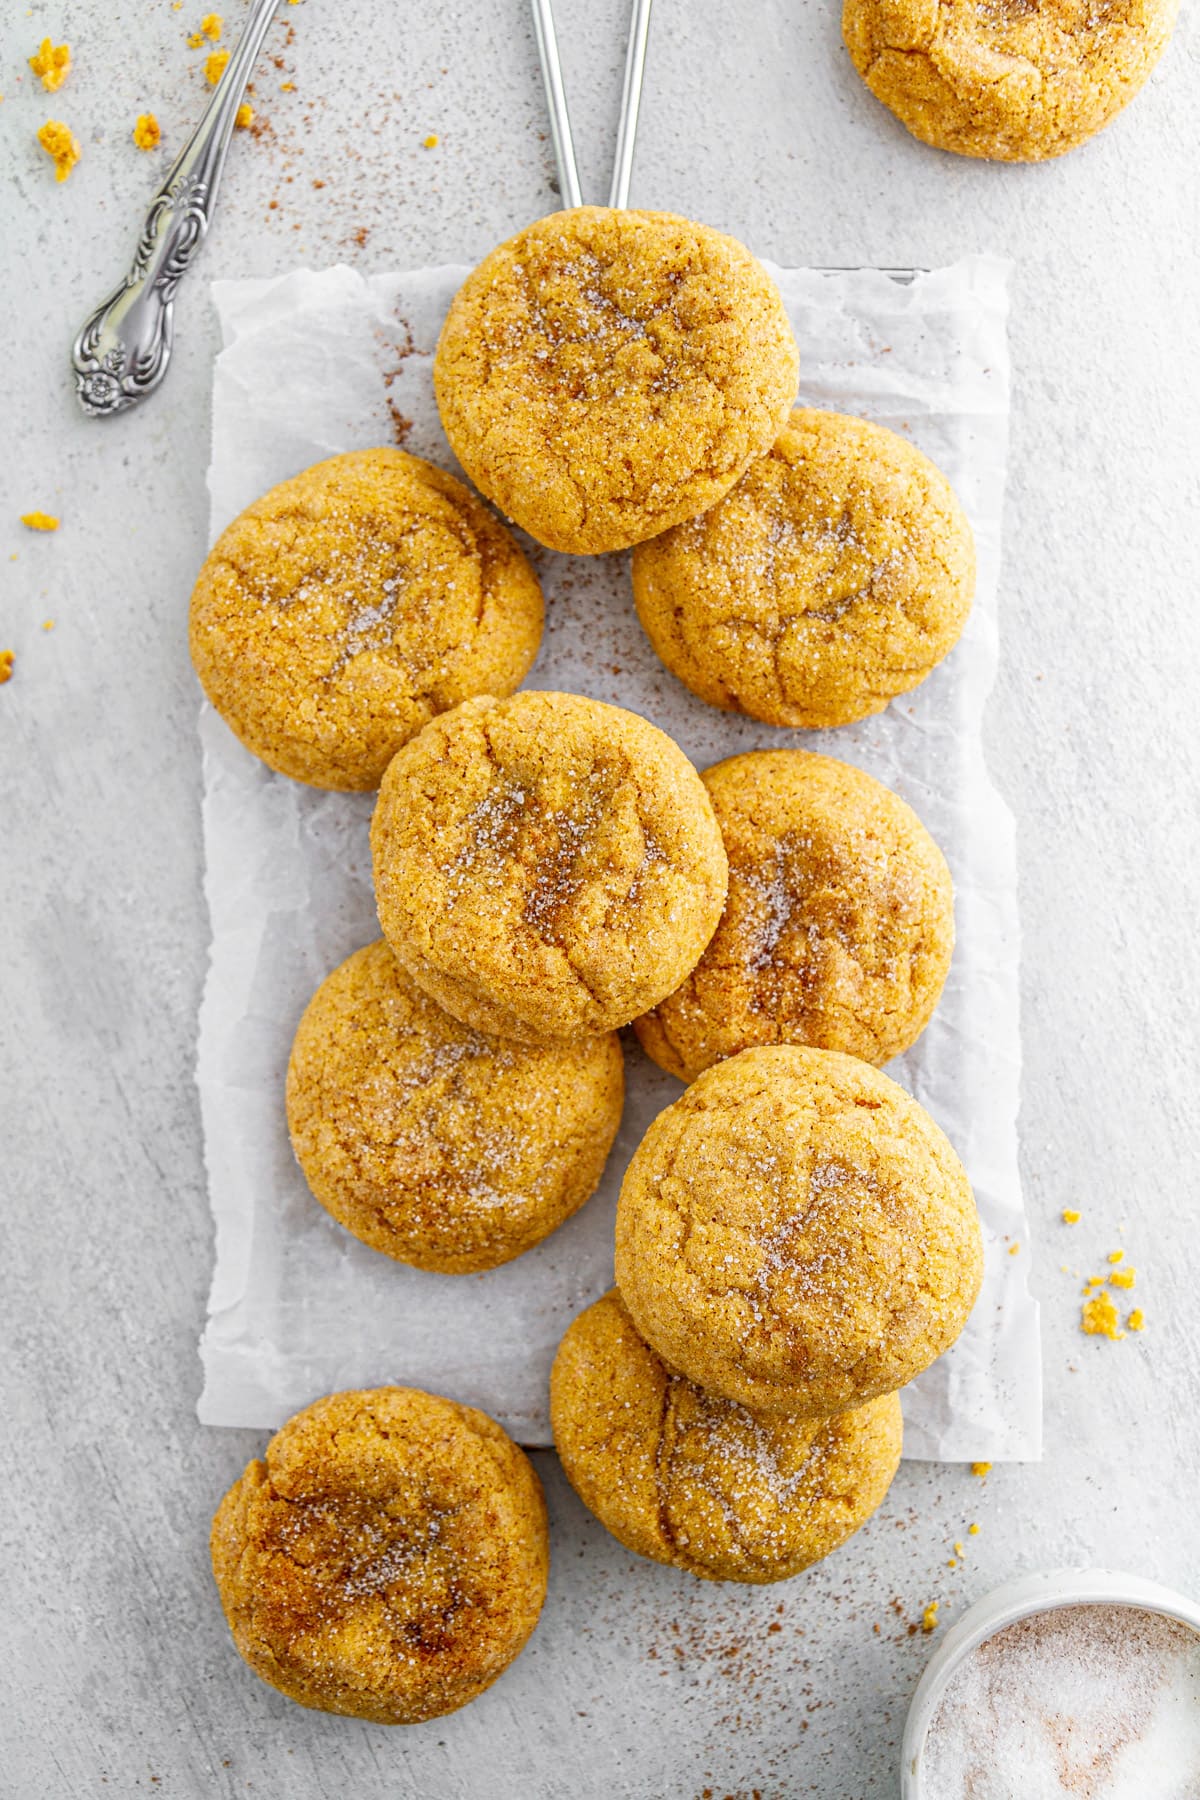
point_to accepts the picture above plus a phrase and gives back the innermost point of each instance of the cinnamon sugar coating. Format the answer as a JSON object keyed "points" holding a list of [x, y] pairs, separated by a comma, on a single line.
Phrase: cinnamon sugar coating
{"points": [[703, 1483], [835, 575], [1010, 80], [434, 1143], [388, 1559], [796, 1234], [838, 926], [602, 375], [546, 866], [350, 605]]}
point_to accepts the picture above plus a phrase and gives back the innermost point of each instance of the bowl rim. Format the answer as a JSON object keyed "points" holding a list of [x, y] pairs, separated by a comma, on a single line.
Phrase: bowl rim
{"points": [[1046, 1591]]}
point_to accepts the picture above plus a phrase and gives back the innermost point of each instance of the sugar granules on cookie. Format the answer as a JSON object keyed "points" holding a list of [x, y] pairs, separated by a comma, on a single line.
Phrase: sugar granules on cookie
{"points": [[1078, 1703]]}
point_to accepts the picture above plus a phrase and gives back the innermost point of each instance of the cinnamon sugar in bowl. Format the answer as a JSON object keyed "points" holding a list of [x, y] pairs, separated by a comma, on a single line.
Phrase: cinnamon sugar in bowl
{"points": [[1076, 1685]]}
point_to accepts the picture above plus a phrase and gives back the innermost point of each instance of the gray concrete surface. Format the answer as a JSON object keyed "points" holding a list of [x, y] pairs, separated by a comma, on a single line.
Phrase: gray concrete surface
{"points": [[117, 1672]]}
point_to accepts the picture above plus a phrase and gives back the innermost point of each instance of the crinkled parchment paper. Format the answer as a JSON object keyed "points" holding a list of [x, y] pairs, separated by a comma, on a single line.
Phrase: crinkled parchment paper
{"points": [[319, 363]]}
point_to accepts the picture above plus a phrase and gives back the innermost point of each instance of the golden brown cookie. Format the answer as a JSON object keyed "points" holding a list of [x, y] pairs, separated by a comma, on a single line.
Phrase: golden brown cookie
{"points": [[796, 1234], [348, 606], [689, 1479], [837, 574], [431, 1142], [1012, 80], [387, 1560], [603, 374], [838, 926], [546, 866]]}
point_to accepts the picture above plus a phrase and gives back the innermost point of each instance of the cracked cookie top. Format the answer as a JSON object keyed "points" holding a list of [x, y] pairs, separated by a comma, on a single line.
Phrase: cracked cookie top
{"points": [[348, 606], [837, 574], [838, 926], [388, 1558], [434, 1143], [603, 374], [703, 1483], [1010, 80], [546, 866], [795, 1233]]}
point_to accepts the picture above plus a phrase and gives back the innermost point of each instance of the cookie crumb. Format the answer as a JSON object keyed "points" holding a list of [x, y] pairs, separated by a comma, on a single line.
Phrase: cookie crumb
{"points": [[972, 1530], [7, 660], [431, 142], [244, 117], [1136, 1320], [1099, 1318], [1116, 1256], [981, 1469], [214, 66], [59, 142], [1014, 1249], [47, 624], [51, 65], [212, 25], [147, 134], [1122, 1278], [1070, 1216], [929, 1618], [39, 521]]}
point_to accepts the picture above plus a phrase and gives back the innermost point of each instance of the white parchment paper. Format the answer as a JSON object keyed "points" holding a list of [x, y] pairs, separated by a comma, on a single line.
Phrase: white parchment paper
{"points": [[314, 364]]}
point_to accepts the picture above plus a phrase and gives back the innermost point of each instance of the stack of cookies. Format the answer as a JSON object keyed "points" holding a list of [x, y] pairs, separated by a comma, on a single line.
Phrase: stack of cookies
{"points": [[795, 1238]]}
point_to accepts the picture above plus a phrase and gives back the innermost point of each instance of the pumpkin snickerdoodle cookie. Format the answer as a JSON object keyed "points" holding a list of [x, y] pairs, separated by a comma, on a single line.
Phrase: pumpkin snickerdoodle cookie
{"points": [[388, 1558], [690, 1479], [838, 927], [795, 1233], [546, 866], [605, 374], [1010, 80], [834, 576], [431, 1142], [348, 606]]}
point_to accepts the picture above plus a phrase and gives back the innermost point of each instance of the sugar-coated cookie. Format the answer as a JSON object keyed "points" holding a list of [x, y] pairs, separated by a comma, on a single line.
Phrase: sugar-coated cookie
{"points": [[603, 374], [795, 1233], [388, 1559], [343, 610]]}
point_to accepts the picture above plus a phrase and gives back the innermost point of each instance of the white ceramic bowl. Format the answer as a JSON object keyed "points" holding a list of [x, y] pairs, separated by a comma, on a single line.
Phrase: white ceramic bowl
{"points": [[1004, 1606]]}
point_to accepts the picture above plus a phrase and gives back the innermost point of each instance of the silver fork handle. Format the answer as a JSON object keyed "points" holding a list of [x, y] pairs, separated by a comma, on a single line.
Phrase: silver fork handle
{"points": [[631, 99], [556, 103], [121, 353]]}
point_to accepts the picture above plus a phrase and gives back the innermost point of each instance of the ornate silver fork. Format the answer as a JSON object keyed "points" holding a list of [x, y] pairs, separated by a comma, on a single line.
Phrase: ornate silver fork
{"points": [[122, 352]]}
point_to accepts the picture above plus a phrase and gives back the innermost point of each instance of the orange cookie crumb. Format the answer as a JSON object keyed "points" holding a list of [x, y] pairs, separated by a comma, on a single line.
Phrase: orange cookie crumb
{"points": [[1136, 1320], [972, 1530], [147, 134], [214, 66], [47, 624], [39, 521], [1099, 1318], [1122, 1278], [1116, 1256], [929, 1618], [430, 142], [60, 142], [6, 666], [212, 24], [981, 1469], [287, 87], [244, 117], [1070, 1216], [1014, 1249], [51, 65]]}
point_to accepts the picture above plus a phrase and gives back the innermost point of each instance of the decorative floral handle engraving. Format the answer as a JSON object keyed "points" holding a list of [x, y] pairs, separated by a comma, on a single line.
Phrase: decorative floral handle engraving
{"points": [[121, 353]]}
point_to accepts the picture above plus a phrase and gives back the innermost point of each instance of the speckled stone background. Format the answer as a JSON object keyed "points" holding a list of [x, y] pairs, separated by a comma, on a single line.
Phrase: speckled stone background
{"points": [[117, 1674]]}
